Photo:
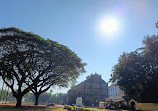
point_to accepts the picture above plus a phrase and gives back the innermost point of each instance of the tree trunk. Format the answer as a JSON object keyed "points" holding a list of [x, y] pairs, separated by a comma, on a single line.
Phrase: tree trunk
{"points": [[36, 98], [18, 103]]}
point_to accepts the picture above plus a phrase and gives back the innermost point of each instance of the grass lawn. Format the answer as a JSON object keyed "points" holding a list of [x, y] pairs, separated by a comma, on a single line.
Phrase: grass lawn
{"points": [[39, 109], [21, 109], [103, 109], [59, 109], [30, 108], [27, 107]]}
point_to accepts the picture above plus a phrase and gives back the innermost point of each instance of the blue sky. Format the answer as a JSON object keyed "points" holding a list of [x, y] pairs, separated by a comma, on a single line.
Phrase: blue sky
{"points": [[74, 23]]}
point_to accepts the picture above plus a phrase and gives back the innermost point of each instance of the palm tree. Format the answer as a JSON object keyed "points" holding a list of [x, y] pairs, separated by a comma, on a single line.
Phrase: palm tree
{"points": [[7, 95], [1, 94], [4, 94]]}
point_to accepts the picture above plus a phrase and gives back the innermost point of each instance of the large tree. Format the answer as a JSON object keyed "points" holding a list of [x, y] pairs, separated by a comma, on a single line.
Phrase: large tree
{"points": [[62, 67], [136, 72], [28, 62]]}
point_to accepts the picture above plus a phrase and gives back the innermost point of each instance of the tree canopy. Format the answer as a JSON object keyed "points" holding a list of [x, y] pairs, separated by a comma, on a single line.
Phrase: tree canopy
{"points": [[28, 62], [136, 72]]}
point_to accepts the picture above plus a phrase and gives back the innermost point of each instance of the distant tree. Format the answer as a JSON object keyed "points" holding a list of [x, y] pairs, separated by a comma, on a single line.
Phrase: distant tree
{"points": [[59, 98], [29, 97], [136, 73], [1, 93], [30, 61], [5, 94], [45, 98]]}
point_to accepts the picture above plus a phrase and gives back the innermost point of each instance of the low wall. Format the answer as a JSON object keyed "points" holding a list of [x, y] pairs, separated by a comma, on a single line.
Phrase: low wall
{"points": [[147, 106]]}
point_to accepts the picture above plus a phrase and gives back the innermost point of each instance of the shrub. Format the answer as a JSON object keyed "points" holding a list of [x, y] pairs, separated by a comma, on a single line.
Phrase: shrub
{"points": [[75, 108]]}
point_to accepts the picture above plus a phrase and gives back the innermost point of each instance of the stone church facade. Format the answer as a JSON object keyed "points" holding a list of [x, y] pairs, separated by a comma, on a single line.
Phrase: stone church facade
{"points": [[92, 90]]}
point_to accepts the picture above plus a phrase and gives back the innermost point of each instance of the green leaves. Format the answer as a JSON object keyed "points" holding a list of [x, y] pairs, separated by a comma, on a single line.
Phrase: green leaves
{"points": [[136, 72], [29, 60]]}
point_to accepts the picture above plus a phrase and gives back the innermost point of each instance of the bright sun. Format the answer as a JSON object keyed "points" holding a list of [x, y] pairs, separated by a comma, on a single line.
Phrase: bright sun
{"points": [[108, 26]]}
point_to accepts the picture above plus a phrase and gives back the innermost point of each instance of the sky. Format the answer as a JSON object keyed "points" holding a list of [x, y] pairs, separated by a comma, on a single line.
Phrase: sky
{"points": [[75, 23]]}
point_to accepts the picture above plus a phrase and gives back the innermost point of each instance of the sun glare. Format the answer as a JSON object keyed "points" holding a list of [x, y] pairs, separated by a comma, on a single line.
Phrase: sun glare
{"points": [[108, 26]]}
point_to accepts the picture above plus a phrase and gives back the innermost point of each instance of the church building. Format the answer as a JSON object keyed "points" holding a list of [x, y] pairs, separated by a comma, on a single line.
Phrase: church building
{"points": [[92, 90]]}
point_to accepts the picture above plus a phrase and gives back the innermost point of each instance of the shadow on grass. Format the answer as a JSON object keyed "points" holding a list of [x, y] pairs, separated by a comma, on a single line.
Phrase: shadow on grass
{"points": [[27, 108]]}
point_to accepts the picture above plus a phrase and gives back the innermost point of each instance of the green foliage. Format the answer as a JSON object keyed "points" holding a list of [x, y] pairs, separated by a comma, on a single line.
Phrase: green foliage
{"points": [[136, 72], [46, 98], [59, 98], [30, 61], [3, 93], [6, 95], [29, 97], [75, 108]]}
